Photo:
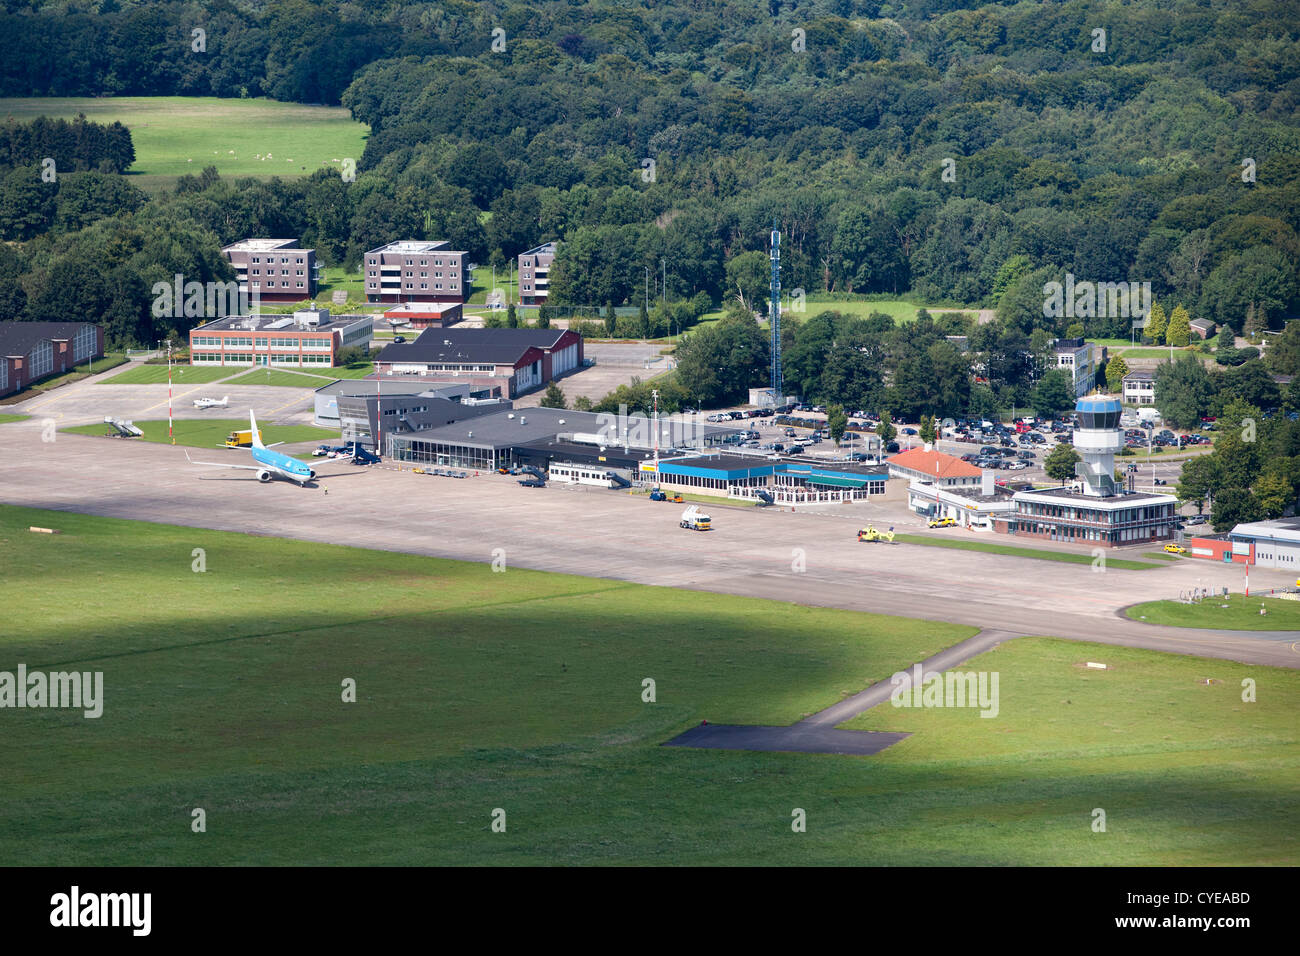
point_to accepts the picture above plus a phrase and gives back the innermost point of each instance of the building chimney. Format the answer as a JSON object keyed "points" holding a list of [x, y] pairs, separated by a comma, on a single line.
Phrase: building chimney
{"points": [[986, 482], [928, 447]]}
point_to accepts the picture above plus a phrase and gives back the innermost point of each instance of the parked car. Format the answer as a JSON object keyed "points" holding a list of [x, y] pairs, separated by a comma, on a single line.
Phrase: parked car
{"points": [[1175, 549], [909, 431], [892, 448]]}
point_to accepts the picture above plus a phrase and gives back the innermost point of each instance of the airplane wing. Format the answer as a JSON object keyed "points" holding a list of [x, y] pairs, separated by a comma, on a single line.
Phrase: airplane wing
{"points": [[222, 464]]}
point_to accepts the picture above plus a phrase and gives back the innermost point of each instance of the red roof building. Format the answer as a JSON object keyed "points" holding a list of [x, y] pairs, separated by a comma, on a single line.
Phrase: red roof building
{"points": [[926, 464]]}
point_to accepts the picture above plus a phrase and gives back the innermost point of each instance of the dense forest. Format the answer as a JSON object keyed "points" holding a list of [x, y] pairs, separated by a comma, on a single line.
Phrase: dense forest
{"points": [[965, 153]]}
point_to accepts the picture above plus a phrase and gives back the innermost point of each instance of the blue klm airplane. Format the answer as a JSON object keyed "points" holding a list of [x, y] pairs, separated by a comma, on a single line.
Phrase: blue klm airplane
{"points": [[268, 463]]}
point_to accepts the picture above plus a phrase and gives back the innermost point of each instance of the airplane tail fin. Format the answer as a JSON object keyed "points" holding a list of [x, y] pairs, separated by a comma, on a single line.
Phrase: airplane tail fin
{"points": [[225, 400], [257, 438]]}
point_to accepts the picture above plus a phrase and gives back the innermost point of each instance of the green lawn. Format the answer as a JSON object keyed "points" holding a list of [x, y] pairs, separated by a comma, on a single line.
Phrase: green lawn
{"points": [[181, 374], [477, 691], [1241, 614], [1068, 557], [175, 135], [109, 361], [212, 432], [350, 371], [6, 418], [276, 376]]}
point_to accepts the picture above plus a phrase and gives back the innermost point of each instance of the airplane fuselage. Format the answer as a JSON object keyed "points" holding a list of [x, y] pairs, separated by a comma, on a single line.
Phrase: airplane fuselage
{"points": [[274, 462]]}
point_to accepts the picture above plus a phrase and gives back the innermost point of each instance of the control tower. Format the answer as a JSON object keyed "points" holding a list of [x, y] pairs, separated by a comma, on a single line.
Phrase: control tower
{"points": [[1098, 440]]}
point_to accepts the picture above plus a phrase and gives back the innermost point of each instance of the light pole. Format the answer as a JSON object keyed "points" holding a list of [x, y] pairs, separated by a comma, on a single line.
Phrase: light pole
{"points": [[171, 437]]}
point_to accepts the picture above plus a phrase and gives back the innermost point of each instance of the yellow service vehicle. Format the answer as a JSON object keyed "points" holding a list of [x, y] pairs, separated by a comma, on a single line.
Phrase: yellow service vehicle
{"points": [[242, 439], [946, 522], [1175, 549]]}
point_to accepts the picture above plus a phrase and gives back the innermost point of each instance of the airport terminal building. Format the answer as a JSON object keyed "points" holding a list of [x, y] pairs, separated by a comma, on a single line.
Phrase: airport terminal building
{"points": [[1095, 509]]}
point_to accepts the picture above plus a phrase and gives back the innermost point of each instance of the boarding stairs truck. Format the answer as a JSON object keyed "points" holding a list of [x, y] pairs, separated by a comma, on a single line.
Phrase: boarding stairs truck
{"points": [[693, 519], [124, 429]]}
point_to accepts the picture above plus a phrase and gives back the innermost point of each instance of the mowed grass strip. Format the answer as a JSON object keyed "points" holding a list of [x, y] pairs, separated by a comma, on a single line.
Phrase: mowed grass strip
{"points": [[210, 432], [1240, 614], [280, 377], [181, 375], [523, 690], [1043, 554], [5, 418]]}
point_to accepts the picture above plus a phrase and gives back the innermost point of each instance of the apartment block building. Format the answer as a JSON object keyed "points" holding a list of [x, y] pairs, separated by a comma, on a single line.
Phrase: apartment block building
{"points": [[275, 270], [1075, 356], [535, 274], [410, 271]]}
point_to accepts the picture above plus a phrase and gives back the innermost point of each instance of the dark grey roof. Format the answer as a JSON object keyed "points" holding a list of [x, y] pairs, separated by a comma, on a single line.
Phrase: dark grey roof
{"points": [[441, 412], [1140, 375], [19, 338], [511, 427], [583, 454], [460, 345]]}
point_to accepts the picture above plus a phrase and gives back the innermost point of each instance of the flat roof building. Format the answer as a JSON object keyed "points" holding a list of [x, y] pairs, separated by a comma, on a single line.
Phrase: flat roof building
{"points": [[782, 481], [308, 338], [512, 360], [508, 437], [273, 270], [34, 350], [416, 271], [980, 508], [424, 315], [1076, 357], [1139, 387]]}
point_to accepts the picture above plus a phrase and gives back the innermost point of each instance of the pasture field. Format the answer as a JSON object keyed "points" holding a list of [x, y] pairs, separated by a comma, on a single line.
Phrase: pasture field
{"points": [[175, 135], [224, 688]]}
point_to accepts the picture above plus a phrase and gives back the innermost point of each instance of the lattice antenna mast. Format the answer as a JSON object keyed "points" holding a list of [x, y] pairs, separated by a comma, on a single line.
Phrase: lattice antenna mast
{"points": [[774, 300]]}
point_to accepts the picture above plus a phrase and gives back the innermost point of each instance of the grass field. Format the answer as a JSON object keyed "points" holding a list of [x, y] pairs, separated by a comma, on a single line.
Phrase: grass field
{"points": [[1068, 557], [277, 376], [175, 135], [181, 375], [1241, 614], [222, 690], [109, 361], [212, 432], [6, 418]]}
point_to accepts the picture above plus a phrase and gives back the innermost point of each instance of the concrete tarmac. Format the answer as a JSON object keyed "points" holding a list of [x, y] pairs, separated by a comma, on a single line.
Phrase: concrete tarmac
{"points": [[807, 559]]}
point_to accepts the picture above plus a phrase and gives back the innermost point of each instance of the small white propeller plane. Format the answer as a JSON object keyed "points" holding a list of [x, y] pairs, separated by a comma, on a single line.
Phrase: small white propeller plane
{"points": [[267, 463], [212, 402]]}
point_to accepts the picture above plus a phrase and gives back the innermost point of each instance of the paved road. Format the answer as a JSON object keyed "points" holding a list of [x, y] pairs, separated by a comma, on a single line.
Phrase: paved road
{"points": [[817, 734]]}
